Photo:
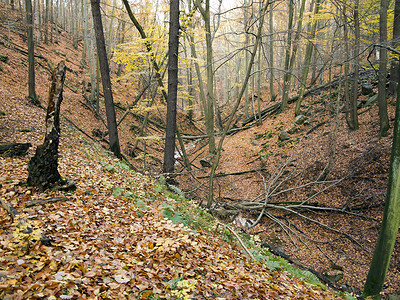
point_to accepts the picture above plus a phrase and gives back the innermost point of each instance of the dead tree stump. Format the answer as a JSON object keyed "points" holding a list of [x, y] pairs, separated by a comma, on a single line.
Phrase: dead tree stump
{"points": [[42, 167]]}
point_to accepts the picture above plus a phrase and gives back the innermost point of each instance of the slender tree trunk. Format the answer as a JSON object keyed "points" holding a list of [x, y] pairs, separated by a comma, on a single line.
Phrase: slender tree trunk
{"points": [[169, 152], [307, 60], [189, 79], [383, 113], [85, 33], [246, 56], [271, 54], [352, 120], [286, 81], [196, 64], [346, 65], [259, 63], [37, 21], [46, 22], [105, 77], [121, 40], [394, 66], [292, 54], [31, 53], [209, 117]]}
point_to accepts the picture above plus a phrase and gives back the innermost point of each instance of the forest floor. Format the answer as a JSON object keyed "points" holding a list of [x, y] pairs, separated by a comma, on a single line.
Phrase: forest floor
{"points": [[110, 238]]}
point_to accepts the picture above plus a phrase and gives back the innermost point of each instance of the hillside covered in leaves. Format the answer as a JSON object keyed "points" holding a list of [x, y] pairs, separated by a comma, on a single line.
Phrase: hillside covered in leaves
{"points": [[119, 234]]}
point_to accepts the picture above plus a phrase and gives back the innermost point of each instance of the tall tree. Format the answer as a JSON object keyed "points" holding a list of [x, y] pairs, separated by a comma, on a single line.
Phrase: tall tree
{"points": [[288, 50], [105, 78], [169, 152], [158, 73], [383, 113], [271, 53], [209, 111], [351, 113], [391, 217], [292, 55], [307, 60], [31, 53]]}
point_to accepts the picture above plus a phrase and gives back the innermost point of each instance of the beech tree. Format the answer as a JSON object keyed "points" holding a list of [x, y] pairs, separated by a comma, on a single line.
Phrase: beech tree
{"points": [[210, 102], [391, 217], [31, 53], [382, 103], [105, 78], [169, 152]]}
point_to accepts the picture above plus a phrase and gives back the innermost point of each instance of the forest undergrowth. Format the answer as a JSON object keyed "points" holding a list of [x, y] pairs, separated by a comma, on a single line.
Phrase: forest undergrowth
{"points": [[120, 233]]}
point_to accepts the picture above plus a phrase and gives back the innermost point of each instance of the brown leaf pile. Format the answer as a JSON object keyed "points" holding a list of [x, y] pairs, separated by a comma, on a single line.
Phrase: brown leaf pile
{"points": [[107, 246]]}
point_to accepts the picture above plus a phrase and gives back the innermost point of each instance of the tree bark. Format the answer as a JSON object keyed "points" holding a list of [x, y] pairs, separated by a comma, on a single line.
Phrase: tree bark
{"points": [[307, 60], [383, 113], [31, 53], [105, 78], [286, 79], [292, 55], [271, 54], [173, 45], [394, 67], [42, 168], [209, 112], [391, 218], [352, 119]]}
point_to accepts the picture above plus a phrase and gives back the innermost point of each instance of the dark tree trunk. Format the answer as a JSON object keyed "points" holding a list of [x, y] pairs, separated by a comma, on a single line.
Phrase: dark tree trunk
{"points": [[382, 104], [105, 78], [394, 68], [42, 167], [169, 152], [31, 53]]}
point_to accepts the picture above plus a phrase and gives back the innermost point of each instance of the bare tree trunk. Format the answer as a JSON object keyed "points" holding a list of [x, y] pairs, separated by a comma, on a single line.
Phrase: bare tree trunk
{"points": [[209, 117], [391, 218], [271, 54], [105, 77], [37, 21], [46, 22], [383, 113], [246, 56], [292, 55], [394, 66], [307, 60], [169, 151], [42, 168], [31, 53], [352, 120], [286, 81]]}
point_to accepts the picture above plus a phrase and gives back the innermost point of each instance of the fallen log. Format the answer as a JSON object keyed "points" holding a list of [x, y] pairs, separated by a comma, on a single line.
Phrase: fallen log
{"points": [[44, 201], [275, 107], [230, 174], [14, 149]]}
